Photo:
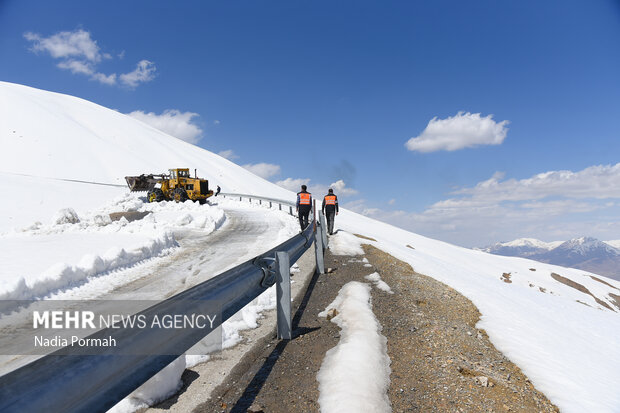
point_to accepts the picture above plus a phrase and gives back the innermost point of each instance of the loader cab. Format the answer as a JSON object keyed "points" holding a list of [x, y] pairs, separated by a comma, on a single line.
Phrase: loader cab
{"points": [[179, 173]]}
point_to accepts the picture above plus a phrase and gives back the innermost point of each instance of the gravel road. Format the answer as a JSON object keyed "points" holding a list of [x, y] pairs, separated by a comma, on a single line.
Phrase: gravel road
{"points": [[440, 362]]}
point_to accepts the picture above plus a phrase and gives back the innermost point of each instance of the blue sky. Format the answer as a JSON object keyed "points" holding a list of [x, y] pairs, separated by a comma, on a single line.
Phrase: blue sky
{"points": [[332, 90]]}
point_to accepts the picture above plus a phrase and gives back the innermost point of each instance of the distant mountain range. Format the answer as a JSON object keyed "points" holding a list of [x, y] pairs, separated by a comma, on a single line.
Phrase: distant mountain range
{"points": [[585, 253]]}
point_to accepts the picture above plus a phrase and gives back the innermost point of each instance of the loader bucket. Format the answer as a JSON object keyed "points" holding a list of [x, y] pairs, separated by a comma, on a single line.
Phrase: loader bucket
{"points": [[141, 183]]}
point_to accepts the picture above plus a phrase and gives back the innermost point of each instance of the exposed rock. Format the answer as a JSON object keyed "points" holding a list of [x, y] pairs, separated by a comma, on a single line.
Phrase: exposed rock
{"points": [[365, 237], [506, 278], [128, 215], [331, 313], [483, 381]]}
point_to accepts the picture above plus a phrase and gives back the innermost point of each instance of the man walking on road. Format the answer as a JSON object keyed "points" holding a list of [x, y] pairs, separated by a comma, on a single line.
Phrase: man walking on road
{"points": [[304, 205], [330, 209]]}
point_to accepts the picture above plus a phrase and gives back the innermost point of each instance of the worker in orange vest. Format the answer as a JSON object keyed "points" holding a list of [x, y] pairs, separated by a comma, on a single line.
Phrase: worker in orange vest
{"points": [[304, 205], [330, 209]]}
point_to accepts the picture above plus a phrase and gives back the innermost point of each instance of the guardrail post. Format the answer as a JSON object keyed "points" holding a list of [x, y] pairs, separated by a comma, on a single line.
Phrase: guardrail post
{"points": [[260, 202], [290, 210], [318, 250], [240, 199], [283, 293], [280, 205], [324, 232], [270, 205]]}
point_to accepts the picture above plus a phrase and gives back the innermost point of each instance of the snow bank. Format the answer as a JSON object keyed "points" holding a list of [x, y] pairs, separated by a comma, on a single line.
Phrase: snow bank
{"points": [[71, 249], [355, 375], [159, 387], [375, 278], [247, 317], [345, 243], [62, 275]]}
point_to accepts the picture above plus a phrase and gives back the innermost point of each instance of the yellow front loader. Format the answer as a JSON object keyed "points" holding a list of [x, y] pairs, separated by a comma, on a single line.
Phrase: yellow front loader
{"points": [[178, 185]]}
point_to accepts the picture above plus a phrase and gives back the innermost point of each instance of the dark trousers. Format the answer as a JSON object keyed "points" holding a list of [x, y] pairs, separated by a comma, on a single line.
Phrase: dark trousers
{"points": [[304, 211], [331, 216]]}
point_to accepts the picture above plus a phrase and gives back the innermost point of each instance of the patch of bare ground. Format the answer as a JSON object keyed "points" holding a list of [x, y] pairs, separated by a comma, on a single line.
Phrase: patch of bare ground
{"points": [[409, 246], [604, 282], [440, 361], [365, 237], [506, 277], [579, 287], [616, 299]]}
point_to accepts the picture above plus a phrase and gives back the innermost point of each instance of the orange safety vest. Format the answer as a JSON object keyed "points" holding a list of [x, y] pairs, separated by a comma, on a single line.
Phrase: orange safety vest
{"points": [[330, 199], [304, 198]]}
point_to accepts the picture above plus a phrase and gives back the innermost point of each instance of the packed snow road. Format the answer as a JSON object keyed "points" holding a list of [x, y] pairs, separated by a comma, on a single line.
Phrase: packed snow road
{"points": [[247, 231]]}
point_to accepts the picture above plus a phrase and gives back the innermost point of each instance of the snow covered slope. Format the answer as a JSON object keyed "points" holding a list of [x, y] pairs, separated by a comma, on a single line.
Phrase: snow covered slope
{"points": [[614, 243], [49, 135], [564, 338]]}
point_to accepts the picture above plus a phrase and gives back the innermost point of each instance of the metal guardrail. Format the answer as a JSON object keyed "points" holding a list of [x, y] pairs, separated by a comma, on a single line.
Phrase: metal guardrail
{"points": [[271, 201], [95, 383]]}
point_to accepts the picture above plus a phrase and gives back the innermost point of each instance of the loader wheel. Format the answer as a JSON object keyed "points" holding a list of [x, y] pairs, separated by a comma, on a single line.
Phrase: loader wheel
{"points": [[179, 195], [155, 195], [202, 201]]}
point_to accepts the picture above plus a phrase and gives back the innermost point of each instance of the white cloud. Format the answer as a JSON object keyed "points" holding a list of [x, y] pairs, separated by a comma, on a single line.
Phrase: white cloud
{"points": [[216, 122], [547, 206], [228, 154], [391, 201], [465, 130], [600, 182], [144, 72], [340, 188], [360, 206], [77, 66], [105, 79], [173, 122], [80, 54], [76, 44], [264, 170], [293, 184]]}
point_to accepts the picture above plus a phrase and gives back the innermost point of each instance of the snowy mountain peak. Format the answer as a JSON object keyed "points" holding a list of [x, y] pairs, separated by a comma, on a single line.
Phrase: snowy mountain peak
{"points": [[614, 243], [522, 247], [588, 245], [586, 253], [531, 242]]}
